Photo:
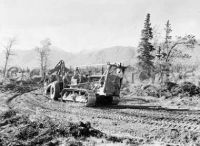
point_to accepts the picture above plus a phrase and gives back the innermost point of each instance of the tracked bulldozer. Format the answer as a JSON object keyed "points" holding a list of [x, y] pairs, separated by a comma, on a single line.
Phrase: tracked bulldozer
{"points": [[92, 90]]}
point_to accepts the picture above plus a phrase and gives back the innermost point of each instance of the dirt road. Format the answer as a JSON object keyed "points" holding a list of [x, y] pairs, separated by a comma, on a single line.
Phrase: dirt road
{"points": [[145, 123]]}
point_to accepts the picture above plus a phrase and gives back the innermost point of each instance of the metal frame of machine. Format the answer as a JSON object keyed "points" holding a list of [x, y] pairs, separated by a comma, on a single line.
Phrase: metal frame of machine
{"points": [[95, 90]]}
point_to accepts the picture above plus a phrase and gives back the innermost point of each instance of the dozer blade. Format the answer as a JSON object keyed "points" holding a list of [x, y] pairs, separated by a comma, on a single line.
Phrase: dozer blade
{"points": [[73, 94]]}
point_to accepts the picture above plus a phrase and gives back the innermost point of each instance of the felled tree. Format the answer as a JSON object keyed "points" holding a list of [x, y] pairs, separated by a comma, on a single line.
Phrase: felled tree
{"points": [[145, 49]]}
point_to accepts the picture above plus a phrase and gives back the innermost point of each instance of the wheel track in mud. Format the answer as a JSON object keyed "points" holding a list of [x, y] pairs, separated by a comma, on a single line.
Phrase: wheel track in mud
{"points": [[167, 119], [151, 123], [152, 119], [159, 118], [180, 119], [15, 95]]}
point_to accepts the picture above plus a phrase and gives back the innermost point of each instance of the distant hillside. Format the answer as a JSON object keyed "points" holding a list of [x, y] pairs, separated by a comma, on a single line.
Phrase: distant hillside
{"points": [[30, 58], [113, 54]]}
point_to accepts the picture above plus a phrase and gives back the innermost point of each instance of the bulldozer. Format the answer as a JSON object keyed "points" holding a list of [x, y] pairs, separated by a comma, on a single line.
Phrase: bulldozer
{"points": [[92, 89]]}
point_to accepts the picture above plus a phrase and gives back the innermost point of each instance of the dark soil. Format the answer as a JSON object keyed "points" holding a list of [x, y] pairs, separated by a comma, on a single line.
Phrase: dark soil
{"points": [[19, 130]]}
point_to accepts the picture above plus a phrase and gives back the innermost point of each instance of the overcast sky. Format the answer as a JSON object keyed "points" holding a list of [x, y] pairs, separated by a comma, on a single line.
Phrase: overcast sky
{"points": [[75, 25]]}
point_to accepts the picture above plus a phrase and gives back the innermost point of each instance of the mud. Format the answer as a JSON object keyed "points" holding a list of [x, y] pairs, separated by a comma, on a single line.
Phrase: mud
{"points": [[18, 129], [136, 121]]}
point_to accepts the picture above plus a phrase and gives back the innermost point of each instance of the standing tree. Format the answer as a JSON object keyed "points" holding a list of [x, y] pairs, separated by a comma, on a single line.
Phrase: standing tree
{"points": [[8, 50], [163, 50], [43, 52], [174, 49], [170, 50], [145, 49], [168, 37]]}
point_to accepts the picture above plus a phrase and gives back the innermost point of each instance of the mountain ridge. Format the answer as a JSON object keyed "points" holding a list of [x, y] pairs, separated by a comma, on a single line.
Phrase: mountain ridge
{"points": [[30, 58]]}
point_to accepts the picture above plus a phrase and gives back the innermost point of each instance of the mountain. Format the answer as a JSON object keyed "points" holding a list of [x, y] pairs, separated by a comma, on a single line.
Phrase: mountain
{"points": [[113, 54], [30, 58]]}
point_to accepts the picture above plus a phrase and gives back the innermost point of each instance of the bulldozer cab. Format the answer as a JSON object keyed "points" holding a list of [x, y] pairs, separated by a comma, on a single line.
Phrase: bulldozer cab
{"points": [[108, 83], [113, 79]]}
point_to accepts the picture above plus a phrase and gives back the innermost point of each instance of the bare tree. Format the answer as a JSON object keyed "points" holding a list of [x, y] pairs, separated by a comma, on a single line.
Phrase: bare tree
{"points": [[8, 50], [173, 49], [43, 52]]}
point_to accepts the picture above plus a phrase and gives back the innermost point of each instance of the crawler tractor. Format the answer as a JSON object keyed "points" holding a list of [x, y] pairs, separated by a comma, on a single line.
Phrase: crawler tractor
{"points": [[91, 90]]}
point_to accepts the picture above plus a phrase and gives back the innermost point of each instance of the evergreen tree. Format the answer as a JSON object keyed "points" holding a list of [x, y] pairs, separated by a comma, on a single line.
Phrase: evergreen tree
{"points": [[145, 49]]}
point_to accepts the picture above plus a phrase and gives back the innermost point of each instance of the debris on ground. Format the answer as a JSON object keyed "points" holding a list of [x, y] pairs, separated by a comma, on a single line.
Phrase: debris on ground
{"points": [[17, 88], [183, 89], [17, 129], [170, 89]]}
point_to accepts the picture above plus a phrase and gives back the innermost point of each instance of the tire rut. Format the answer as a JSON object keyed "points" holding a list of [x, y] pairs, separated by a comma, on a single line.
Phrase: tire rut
{"points": [[158, 118]]}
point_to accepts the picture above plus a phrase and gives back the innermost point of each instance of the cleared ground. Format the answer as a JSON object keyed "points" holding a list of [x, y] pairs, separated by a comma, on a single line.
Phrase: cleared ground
{"points": [[135, 120]]}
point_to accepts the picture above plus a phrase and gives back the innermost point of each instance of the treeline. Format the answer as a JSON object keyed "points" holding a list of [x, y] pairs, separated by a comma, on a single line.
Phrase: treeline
{"points": [[155, 54]]}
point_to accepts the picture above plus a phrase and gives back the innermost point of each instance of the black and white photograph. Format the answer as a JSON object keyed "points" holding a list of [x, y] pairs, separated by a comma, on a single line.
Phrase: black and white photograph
{"points": [[99, 73]]}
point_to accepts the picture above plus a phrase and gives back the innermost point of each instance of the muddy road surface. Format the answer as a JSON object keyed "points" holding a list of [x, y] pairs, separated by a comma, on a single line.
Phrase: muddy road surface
{"points": [[144, 122]]}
